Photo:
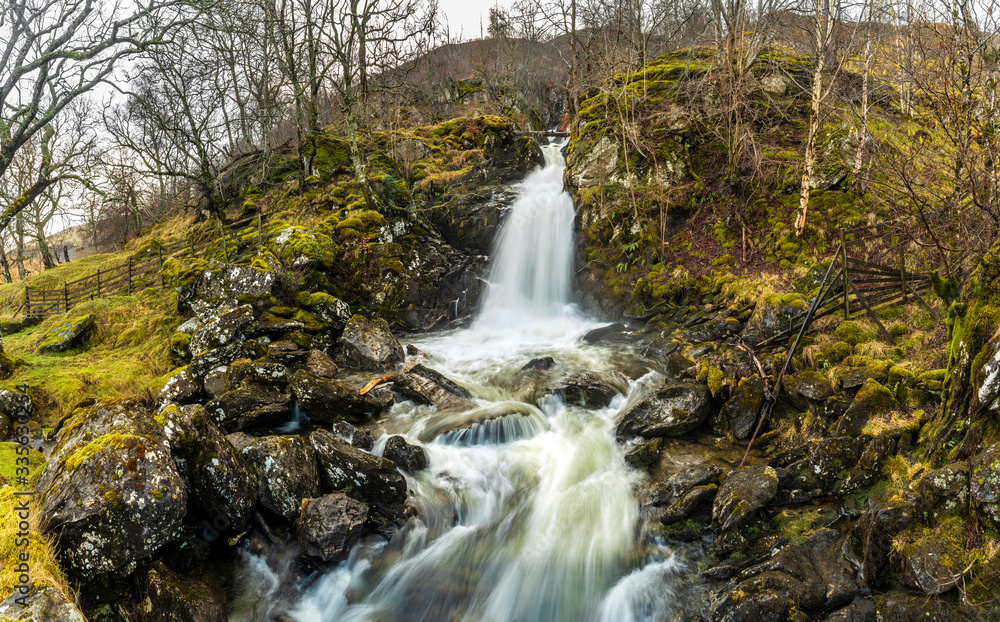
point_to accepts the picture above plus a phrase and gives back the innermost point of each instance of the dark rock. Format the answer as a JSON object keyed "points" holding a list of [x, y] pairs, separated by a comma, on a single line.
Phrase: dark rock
{"points": [[809, 384], [327, 400], [250, 406], [16, 406], [205, 362], [219, 482], [222, 329], [426, 386], [675, 409], [272, 327], [946, 490], [853, 377], [605, 333], [713, 330], [771, 316], [868, 469], [643, 453], [661, 348], [330, 525], [219, 289], [826, 461], [543, 363], [698, 475], [46, 604], [739, 413], [368, 345], [861, 610], [872, 400], [675, 364], [320, 364], [330, 309], [173, 598], [906, 607], [360, 438], [873, 535], [688, 503], [985, 483], [744, 491], [286, 353], [110, 491], [938, 558], [408, 457], [412, 350], [286, 472], [255, 372], [182, 388], [584, 389], [368, 478], [67, 334]]}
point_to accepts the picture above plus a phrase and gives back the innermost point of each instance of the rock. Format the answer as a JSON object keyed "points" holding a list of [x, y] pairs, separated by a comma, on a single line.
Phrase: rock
{"points": [[873, 535], [272, 327], [771, 317], [906, 607], [245, 371], [319, 364], [853, 377], [868, 468], [713, 330], [826, 461], [15, 406], [744, 491], [584, 389], [182, 388], [286, 472], [611, 331], [330, 309], [214, 382], [219, 289], [250, 406], [222, 329], [675, 364], [593, 166], [110, 491], [945, 491], [861, 610], [360, 438], [67, 334], [327, 400], [985, 483], [408, 457], [42, 605], [774, 83], [286, 353], [208, 360], [739, 413], [330, 526], [173, 598], [219, 482], [809, 384], [543, 363], [688, 503], [369, 478], [935, 560], [676, 408], [643, 453], [872, 400], [368, 345], [687, 479], [426, 386]]}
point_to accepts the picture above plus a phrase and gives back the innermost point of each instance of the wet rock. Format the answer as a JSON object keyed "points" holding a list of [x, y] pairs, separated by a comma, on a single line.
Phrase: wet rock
{"points": [[868, 469], [985, 483], [688, 503], [67, 334], [219, 482], [110, 491], [543, 363], [369, 478], [360, 438], [935, 560], [368, 345], [872, 400], [584, 389], [593, 166], [674, 365], [244, 371], [327, 400], [643, 453], [809, 384], [873, 534], [219, 289], [826, 461], [286, 353], [489, 428], [426, 386], [272, 327], [208, 360], [286, 472], [605, 333], [946, 490], [182, 388], [771, 316], [739, 413], [744, 491], [330, 526], [15, 405], [250, 406], [319, 364], [42, 605], [676, 408], [408, 457], [173, 598], [661, 348], [222, 329], [698, 475], [713, 330]]}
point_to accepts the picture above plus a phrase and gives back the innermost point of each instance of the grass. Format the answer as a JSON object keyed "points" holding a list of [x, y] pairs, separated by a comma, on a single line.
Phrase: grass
{"points": [[125, 356]]}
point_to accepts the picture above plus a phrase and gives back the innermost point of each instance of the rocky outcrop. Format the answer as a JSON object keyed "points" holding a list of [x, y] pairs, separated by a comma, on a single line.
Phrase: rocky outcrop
{"points": [[330, 525], [286, 472], [221, 329], [67, 334], [369, 345], [218, 289]]}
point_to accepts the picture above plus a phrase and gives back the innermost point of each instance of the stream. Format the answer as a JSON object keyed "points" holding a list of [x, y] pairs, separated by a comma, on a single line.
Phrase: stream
{"points": [[530, 513]]}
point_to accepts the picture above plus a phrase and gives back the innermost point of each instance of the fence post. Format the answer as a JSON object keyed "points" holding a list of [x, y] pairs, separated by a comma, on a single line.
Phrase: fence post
{"points": [[847, 280], [98, 282], [902, 271], [222, 233], [160, 255], [129, 276], [27, 303], [66, 296]]}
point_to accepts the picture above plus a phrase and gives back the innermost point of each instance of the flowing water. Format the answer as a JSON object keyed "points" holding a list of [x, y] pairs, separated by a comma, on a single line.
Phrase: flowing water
{"points": [[529, 515]]}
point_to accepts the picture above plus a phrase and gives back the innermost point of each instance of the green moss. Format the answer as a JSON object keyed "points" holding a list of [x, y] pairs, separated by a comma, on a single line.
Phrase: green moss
{"points": [[853, 333], [312, 323], [108, 441], [875, 398], [712, 376]]}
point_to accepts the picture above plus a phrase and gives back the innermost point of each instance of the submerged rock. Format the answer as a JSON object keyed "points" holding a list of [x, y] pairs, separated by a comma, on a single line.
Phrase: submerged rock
{"points": [[368, 345], [546, 362], [331, 525], [674, 409], [584, 389]]}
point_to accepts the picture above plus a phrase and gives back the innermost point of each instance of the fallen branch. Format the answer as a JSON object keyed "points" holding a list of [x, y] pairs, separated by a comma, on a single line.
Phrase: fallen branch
{"points": [[374, 382]]}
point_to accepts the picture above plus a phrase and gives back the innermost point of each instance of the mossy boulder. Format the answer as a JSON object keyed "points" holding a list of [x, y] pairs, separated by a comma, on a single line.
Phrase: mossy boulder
{"points": [[872, 400], [218, 288], [675, 408], [44, 604], [286, 472], [853, 333], [369, 345], [772, 315], [945, 491], [739, 414], [110, 492], [935, 559], [67, 334], [744, 491], [329, 309], [221, 329], [298, 248]]}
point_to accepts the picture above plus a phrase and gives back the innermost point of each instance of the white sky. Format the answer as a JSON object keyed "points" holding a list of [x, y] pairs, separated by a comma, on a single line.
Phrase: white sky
{"points": [[468, 18]]}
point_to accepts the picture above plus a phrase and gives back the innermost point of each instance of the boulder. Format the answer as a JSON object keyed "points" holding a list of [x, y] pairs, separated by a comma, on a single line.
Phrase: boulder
{"points": [[946, 490], [744, 491], [250, 406], [408, 457], [426, 386], [15, 405], [546, 362], [206, 361], [222, 329], [935, 559], [286, 353], [689, 503], [329, 309], [873, 533], [173, 598], [367, 477], [330, 525], [584, 389], [985, 483], [271, 327], [327, 400], [319, 363], [606, 333], [698, 475], [286, 472], [360, 438], [676, 408], [218, 289], [868, 468], [183, 387], [713, 330], [807, 384], [872, 400], [739, 413], [822, 463], [368, 345], [110, 492], [219, 482], [244, 371], [643, 453], [67, 334], [45, 604]]}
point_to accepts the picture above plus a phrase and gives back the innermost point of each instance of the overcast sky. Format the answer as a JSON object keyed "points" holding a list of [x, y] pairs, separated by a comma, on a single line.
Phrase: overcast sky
{"points": [[468, 18]]}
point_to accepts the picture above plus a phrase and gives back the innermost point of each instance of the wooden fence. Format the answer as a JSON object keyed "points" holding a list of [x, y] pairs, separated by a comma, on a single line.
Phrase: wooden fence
{"points": [[143, 269]]}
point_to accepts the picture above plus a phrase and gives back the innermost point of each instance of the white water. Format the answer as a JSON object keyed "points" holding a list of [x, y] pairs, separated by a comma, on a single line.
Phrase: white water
{"points": [[543, 528]]}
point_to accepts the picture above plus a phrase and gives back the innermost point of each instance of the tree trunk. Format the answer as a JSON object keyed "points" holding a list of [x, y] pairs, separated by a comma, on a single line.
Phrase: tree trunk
{"points": [[357, 159], [860, 185], [19, 244], [5, 264], [43, 248]]}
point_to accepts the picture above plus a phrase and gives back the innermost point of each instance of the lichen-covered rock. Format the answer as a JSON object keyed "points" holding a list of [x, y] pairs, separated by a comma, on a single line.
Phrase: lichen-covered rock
{"points": [[206, 361], [319, 363], [688, 503], [825, 462], [808, 384], [984, 482], [935, 559], [250, 405], [674, 409], [873, 534], [286, 472], [368, 345], [214, 382], [368, 478], [183, 387], [110, 491], [328, 400], [330, 526], [46, 604], [286, 353], [217, 289], [594, 166], [330, 309], [219, 482], [744, 491], [427, 386], [868, 469], [244, 371], [739, 413], [15, 405], [222, 329], [173, 598], [585, 389], [408, 457], [946, 490], [271, 327], [65, 335], [712, 330]]}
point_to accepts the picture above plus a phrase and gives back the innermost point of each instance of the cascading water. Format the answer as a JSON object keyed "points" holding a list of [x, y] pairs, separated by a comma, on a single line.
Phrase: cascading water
{"points": [[530, 520]]}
